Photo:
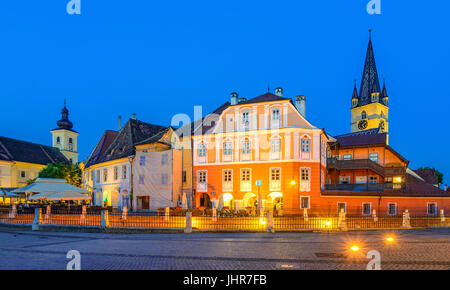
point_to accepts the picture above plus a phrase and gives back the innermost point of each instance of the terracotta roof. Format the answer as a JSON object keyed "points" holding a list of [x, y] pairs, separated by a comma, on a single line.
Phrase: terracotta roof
{"points": [[132, 133], [428, 174], [23, 151]]}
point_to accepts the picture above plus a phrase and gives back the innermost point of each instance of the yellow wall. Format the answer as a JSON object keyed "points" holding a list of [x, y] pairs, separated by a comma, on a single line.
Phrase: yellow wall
{"points": [[69, 150], [376, 112], [10, 173]]}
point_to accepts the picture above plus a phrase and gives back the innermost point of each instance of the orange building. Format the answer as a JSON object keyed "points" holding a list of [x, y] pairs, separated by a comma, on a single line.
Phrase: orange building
{"points": [[261, 150]]}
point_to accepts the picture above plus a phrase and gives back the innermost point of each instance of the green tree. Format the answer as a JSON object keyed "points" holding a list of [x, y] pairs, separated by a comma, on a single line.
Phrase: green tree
{"points": [[68, 171]]}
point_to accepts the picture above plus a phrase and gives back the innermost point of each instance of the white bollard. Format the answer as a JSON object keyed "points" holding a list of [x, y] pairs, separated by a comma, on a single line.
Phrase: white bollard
{"points": [[47, 214], [83, 214], [124, 213], [166, 214], [37, 218], [342, 223], [105, 219], [188, 228], [13, 212], [374, 215], [442, 216], [406, 220], [214, 214], [305, 214], [270, 228]]}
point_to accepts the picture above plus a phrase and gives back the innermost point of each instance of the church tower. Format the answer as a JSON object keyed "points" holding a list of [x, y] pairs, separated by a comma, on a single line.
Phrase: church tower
{"points": [[65, 138], [370, 110]]}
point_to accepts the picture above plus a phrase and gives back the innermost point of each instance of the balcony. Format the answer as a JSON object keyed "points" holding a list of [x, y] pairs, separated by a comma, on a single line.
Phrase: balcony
{"points": [[371, 187], [357, 164]]}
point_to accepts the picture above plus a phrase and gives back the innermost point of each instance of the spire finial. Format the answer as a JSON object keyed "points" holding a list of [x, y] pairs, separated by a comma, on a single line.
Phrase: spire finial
{"points": [[268, 88], [65, 103], [370, 33]]}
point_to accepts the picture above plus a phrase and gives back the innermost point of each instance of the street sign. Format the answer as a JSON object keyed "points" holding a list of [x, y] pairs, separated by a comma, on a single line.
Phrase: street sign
{"points": [[259, 183]]}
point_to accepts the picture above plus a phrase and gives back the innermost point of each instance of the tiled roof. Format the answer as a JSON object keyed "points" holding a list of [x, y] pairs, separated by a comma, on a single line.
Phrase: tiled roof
{"points": [[267, 97], [429, 175], [23, 151], [362, 139], [132, 133], [414, 187]]}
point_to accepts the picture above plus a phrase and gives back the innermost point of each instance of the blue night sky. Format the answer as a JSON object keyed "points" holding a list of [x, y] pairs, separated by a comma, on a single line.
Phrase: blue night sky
{"points": [[160, 58]]}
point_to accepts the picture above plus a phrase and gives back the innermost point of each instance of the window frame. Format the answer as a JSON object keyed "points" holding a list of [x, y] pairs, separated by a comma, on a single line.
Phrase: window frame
{"points": [[370, 208], [308, 197], [345, 206], [435, 208], [389, 209]]}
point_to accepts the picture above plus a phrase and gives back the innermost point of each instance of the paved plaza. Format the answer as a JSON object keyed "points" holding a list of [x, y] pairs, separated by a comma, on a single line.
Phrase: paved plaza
{"points": [[414, 249]]}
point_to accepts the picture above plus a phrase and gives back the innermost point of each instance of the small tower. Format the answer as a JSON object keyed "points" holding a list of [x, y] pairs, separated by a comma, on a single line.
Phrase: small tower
{"points": [[370, 108], [65, 138]]}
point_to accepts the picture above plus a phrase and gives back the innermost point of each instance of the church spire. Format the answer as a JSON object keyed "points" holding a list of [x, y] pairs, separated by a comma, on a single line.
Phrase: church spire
{"points": [[384, 92], [355, 92], [369, 82]]}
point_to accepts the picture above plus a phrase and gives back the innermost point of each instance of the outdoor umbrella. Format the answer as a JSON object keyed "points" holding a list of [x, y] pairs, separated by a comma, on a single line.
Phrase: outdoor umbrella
{"points": [[59, 196]]}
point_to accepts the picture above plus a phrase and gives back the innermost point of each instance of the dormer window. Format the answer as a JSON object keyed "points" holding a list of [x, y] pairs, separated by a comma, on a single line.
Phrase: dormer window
{"points": [[363, 115], [354, 103], [375, 98], [70, 141], [58, 140], [201, 149], [276, 114]]}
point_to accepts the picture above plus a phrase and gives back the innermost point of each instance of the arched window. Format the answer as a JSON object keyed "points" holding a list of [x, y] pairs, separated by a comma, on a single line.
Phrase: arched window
{"points": [[58, 140], [306, 145], [363, 115]]}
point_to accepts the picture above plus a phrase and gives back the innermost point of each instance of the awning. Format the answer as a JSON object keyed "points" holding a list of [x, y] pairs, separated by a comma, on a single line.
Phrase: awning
{"points": [[59, 196]]}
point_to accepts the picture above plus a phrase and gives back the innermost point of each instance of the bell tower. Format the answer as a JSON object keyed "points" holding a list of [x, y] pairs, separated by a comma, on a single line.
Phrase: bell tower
{"points": [[65, 138], [370, 110]]}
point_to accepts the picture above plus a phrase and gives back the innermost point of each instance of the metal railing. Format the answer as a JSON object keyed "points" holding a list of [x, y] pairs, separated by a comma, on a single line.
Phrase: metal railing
{"points": [[287, 220]]}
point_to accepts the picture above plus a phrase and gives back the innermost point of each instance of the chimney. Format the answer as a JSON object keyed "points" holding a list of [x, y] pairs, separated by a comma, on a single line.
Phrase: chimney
{"points": [[234, 98], [300, 104], [445, 187], [133, 116], [120, 123], [279, 92]]}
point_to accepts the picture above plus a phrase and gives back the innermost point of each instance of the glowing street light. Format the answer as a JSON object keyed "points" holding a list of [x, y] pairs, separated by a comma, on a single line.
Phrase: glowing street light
{"points": [[293, 182], [354, 248]]}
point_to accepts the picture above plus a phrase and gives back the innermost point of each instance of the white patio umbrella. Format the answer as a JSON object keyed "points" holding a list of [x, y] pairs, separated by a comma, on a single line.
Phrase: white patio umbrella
{"points": [[59, 196], [53, 189]]}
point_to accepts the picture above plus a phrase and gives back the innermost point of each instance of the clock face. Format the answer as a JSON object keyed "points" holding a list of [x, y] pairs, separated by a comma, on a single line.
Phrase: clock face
{"points": [[362, 125]]}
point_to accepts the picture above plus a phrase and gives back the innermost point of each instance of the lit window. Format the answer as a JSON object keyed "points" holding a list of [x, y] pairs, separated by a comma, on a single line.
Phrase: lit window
{"points": [[202, 176], [347, 157], [366, 208], [227, 148], [245, 146], [201, 149], [245, 175], [275, 174], [105, 175], [306, 145], [116, 173], [373, 157], [227, 175], [392, 208], [305, 179]]}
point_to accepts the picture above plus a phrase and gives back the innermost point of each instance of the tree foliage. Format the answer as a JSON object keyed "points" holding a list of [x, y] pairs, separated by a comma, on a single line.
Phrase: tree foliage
{"points": [[68, 171]]}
